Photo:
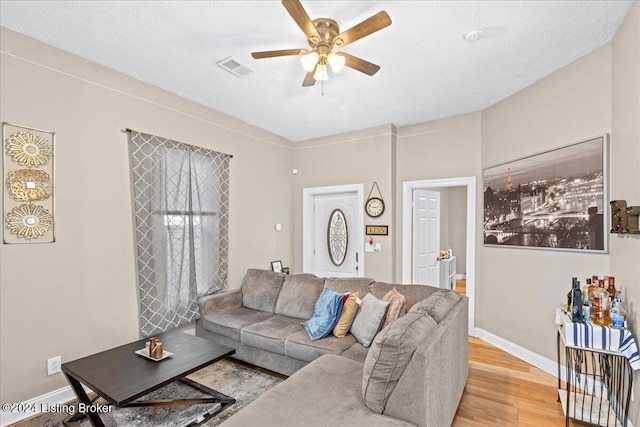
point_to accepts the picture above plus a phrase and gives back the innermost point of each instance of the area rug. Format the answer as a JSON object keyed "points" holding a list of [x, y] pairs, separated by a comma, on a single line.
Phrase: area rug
{"points": [[241, 383]]}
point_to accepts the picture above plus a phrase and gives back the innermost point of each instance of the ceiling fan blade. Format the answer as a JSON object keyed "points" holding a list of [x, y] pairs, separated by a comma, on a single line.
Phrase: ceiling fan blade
{"points": [[308, 79], [297, 12], [370, 25], [274, 53], [359, 64]]}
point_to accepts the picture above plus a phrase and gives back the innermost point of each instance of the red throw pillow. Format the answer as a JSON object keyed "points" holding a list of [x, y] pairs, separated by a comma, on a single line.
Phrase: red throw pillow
{"points": [[345, 297]]}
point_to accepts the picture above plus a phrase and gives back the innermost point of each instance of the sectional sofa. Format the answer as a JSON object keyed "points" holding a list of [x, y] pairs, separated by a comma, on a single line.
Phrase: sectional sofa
{"points": [[413, 374]]}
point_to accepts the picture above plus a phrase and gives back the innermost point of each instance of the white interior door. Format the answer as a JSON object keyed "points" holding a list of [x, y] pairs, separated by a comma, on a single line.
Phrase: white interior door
{"points": [[324, 265], [426, 237]]}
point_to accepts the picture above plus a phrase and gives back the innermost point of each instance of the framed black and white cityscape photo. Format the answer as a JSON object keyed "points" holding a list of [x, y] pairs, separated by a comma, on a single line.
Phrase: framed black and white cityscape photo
{"points": [[553, 200]]}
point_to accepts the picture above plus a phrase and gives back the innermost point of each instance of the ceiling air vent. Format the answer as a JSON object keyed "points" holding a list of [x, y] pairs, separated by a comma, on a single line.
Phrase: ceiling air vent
{"points": [[235, 67]]}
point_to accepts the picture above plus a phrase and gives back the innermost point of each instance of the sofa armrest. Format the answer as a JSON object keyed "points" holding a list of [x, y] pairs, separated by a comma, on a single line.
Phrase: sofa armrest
{"points": [[430, 388], [218, 302]]}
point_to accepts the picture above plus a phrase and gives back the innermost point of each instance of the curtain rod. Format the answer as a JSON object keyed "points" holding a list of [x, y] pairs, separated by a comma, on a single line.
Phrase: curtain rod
{"points": [[127, 130]]}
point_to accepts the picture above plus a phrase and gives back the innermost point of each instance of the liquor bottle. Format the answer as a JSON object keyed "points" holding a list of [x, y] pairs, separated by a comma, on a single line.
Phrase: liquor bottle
{"points": [[576, 301], [611, 288], [591, 287], [585, 303], [618, 313], [569, 310], [586, 290], [586, 310], [600, 305], [606, 309]]}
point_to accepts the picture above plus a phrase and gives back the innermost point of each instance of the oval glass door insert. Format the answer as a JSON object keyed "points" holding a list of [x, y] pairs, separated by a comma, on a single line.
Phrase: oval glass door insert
{"points": [[337, 237]]}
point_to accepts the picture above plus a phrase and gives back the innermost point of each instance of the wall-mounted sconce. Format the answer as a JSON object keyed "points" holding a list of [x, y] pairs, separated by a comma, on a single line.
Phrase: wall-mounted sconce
{"points": [[624, 219]]}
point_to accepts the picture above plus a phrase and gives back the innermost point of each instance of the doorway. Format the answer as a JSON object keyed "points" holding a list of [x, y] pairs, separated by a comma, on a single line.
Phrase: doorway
{"points": [[407, 232], [327, 250]]}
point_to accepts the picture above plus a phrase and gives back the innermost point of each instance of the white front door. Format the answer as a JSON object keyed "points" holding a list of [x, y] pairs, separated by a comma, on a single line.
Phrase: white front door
{"points": [[317, 205], [345, 259], [426, 237]]}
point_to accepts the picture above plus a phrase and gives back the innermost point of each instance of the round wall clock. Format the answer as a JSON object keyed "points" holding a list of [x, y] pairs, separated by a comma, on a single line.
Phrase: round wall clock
{"points": [[374, 207]]}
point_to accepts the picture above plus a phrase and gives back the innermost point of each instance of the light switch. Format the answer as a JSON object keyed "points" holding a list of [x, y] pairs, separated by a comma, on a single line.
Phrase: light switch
{"points": [[278, 227], [377, 247], [368, 247]]}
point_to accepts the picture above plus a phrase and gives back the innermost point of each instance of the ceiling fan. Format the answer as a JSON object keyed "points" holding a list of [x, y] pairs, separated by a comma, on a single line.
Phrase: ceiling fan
{"points": [[323, 35]]}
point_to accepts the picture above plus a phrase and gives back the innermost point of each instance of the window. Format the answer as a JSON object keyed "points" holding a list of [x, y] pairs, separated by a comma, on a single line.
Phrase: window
{"points": [[181, 199]]}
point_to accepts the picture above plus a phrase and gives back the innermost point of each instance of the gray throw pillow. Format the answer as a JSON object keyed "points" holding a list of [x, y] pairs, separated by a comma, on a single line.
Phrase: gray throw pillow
{"points": [[369, 319]]}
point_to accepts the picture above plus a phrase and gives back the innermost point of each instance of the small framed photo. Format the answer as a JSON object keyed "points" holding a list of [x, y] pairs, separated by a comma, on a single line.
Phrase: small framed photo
{"points": [[276, 266]]}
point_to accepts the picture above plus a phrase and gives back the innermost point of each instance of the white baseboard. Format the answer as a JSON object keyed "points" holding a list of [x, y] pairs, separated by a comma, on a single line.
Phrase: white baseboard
{"points": [[540, 362], [47, 400], [547, 365], [461, 277]]}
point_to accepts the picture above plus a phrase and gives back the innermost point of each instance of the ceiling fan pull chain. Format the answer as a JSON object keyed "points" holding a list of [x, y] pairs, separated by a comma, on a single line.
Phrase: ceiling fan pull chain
{"points": [[322, 82]]}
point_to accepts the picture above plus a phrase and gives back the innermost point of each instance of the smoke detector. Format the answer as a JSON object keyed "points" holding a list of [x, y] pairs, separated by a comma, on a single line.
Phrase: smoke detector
{"points": [[474, 34]]}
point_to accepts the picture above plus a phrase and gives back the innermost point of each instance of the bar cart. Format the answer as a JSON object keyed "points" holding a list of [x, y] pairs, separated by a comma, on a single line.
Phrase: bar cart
{"points": [[598, 380]]}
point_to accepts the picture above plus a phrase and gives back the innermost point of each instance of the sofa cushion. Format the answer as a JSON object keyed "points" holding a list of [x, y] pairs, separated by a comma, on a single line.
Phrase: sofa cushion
{"points": [[230, 322], [362, 285], [270, 334], [299, 295], [438, 304], [356, 352], [349, 311], [396, 306], [301, 347], [412, 293], [260, 289], [369, 319], [389, 355], [309, 398], [325, 315]]}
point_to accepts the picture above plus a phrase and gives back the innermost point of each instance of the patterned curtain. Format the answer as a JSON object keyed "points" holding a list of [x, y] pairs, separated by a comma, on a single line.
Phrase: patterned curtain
{"points": [[181, 202]]}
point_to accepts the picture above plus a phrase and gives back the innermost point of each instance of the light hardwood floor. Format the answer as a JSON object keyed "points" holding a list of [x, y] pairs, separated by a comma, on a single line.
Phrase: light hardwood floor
{"points": [[502, 390]]}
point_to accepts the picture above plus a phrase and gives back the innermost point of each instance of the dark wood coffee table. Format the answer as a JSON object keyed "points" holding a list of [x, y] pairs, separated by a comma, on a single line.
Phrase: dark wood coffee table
{"points": [[120, 376]]}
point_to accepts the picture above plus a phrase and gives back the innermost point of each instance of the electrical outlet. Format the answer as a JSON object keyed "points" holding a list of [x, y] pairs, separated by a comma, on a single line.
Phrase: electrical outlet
{"points": [[53, 365]]}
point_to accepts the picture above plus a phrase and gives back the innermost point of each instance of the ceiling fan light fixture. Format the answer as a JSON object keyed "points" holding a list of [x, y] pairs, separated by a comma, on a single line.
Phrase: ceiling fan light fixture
{"points": [[309, 61], [336, 62], [321, 73]]}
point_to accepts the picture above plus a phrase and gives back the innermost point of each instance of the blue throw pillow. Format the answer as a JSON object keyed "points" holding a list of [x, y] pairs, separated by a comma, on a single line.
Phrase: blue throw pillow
{"points": [[325, 316]]}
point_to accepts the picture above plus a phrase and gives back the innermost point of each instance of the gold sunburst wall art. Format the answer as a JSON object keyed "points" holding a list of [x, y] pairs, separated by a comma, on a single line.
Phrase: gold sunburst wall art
{"points": [[29, 221], [28, 184]]}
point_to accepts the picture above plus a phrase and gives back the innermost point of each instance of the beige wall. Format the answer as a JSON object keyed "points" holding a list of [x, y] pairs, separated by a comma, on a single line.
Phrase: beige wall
{"points": [[78, 295], [361, 157], [447, 148], [625, 165], [523, 287], [389, 156], [41, 306], [458, 226]]}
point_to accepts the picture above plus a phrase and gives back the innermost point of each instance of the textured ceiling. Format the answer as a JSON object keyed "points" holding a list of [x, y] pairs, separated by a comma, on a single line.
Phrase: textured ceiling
{"points": [[428, 71]]}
